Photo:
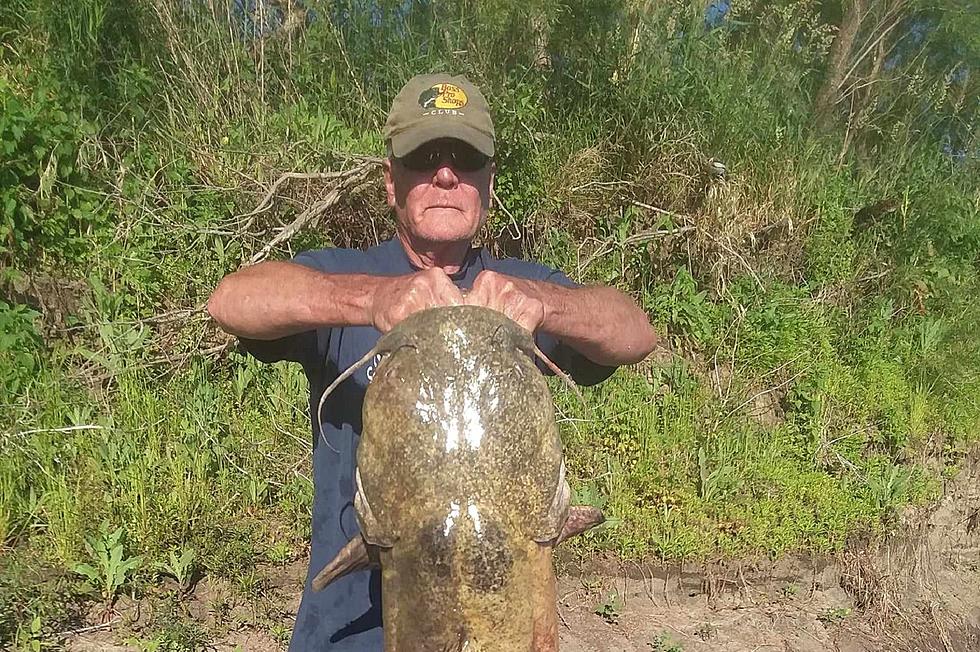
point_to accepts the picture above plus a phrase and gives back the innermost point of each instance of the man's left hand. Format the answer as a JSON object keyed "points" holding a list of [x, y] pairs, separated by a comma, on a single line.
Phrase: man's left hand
{"points": [[515, 297]]}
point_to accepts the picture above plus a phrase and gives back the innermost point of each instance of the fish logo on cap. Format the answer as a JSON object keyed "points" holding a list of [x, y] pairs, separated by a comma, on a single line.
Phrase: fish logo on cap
{"points": [[443, 96]]}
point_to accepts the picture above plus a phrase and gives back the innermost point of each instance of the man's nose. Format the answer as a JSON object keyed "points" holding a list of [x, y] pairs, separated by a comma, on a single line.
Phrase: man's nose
{"points": [[445, 176]]}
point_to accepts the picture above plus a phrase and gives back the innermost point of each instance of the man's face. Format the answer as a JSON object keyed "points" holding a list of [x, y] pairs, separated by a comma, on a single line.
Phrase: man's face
{"points": [[436, 195]]}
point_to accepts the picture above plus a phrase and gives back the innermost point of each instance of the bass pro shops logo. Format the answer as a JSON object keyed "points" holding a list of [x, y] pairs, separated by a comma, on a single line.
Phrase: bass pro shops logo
{"points": [[443, 99]]}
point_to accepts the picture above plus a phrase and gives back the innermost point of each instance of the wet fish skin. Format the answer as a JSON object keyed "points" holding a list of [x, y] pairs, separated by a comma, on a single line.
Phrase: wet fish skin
{"points": [[461, 491]]}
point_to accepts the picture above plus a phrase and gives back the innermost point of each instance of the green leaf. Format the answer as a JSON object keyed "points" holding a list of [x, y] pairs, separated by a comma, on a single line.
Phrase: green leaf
{"points": [[87, 571]]}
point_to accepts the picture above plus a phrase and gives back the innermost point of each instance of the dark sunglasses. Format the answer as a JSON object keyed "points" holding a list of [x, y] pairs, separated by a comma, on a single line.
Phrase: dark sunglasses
{"points": [[429, 156]]}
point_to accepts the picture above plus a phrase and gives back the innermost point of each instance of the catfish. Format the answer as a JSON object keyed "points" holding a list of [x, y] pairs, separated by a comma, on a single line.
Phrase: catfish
{"points": [[461, 491]]}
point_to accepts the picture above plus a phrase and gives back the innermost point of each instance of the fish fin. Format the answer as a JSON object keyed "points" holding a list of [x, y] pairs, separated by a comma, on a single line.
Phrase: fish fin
{"points": [[580, 518], [354, 556], [544, 600], [371, 529], [557, 513]]}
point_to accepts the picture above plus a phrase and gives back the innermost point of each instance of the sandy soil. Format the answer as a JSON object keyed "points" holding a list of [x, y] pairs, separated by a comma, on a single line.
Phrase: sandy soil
{"points": [[920, 591]]}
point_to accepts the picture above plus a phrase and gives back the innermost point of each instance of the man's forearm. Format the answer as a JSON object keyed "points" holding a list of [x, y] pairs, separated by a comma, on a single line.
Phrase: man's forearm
{"points": [[276, 298], [601, 323]]}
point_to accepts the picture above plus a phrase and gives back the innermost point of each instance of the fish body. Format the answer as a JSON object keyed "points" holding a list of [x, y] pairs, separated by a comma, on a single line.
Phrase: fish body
{"points": [[460, 485]]}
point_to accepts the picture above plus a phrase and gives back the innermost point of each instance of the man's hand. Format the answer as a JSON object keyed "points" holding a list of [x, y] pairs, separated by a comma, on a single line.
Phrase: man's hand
{"points": [[400, 296], [514, 297]]}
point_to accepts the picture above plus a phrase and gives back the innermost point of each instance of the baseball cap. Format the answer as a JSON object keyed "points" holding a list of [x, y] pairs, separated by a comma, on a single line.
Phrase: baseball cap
{"points": [[439, 106]]}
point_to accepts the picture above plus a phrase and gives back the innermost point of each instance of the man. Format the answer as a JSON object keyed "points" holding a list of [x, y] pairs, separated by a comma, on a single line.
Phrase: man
{"points": [[327, 308]]}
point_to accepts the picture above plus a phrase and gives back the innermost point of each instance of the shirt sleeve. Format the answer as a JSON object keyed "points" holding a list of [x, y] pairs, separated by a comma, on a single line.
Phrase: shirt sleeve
{"points": [[301, 347]]}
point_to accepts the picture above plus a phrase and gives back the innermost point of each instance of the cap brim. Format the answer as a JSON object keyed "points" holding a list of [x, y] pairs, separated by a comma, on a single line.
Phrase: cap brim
{"points": [[407, 141]]}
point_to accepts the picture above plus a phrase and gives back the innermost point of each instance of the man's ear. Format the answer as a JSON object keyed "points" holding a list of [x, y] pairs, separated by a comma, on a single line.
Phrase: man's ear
{"points": [[389, 181]]}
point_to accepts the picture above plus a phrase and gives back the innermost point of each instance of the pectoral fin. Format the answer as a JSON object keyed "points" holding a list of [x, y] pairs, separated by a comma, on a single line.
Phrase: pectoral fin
{"points": [[551, 525], [354, 556], [580, 518]]}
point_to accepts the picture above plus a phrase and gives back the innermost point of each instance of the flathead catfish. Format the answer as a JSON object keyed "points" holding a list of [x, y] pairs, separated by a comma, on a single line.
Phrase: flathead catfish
{"points": [[461, 489]]}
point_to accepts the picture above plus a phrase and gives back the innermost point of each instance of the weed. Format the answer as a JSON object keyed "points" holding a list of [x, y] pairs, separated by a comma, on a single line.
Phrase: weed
{"points": [[181, 567], [177, 636], [110, 570], [279, 553], [611, 608], [706, 631], [18, 361], [834, 616], [250, 583], [665, 643], [280, 633], [30, 638], [171, 629], [889, 486], [712, 481]]}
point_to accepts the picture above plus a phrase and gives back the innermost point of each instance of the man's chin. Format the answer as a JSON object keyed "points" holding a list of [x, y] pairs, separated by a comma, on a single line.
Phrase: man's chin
{"points": [[443, 238], [444, 232]]}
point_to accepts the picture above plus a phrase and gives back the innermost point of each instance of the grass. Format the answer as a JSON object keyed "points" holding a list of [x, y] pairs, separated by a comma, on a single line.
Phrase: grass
{"points": [[824, 371]]}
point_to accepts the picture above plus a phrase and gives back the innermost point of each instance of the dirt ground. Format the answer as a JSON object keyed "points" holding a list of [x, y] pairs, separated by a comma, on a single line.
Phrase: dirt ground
{"points": [[920, 591]]}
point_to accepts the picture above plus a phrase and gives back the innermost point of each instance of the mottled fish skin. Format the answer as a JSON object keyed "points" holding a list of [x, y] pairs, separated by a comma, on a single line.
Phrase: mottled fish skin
{"points": [[459, 465]]}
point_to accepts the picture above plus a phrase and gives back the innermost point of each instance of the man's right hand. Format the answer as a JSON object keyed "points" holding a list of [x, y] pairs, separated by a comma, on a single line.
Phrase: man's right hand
{"points": [[398, 297]]}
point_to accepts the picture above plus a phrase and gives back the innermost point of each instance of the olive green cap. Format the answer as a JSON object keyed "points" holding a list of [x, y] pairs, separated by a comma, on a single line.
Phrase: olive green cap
{"points": [[439, 106]]}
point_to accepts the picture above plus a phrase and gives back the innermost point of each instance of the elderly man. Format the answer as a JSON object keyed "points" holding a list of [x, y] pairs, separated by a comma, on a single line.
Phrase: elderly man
{"points": [[327, 308]]}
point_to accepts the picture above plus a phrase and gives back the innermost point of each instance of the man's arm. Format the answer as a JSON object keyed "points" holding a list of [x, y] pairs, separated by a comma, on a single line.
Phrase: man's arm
{"points": [[275, 299], [601, 323]]}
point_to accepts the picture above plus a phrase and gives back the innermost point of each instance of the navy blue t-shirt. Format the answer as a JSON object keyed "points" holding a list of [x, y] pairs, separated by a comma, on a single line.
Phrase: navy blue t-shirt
{"points": [[347, 614]]}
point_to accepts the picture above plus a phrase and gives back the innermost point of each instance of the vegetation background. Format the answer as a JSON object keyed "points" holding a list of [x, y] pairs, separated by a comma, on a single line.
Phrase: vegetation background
{"points": [[817, 288]]}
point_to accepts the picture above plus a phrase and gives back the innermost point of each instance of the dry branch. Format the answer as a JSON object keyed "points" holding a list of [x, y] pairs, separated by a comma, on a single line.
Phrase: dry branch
{"points": [[636, 238], [358, 175], [266, 202], [346, 181]]}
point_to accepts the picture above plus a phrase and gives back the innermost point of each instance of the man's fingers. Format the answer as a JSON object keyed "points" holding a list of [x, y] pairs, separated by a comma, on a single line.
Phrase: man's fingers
{"points": [[432, 288], [406, 295], [444, 292], [501, 293], [525, 314], [476, 296]]}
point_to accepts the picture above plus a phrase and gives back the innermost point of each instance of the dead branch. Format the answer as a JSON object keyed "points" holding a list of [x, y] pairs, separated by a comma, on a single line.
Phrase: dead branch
{"points": [[266, 202], [346, 181], [636, 238], [357, 176], [662, 211]]}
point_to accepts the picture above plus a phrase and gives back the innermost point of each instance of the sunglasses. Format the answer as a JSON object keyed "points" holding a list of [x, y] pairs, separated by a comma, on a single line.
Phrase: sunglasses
{"points": [[431, 155]]}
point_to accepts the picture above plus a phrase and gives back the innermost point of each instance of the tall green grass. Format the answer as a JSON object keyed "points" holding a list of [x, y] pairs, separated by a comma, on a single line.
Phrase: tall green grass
{"points": [[824, 370]]}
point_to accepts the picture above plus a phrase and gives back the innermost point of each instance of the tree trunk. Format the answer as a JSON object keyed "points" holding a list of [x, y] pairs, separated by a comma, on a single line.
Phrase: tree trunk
{"points": [[837, 66]]}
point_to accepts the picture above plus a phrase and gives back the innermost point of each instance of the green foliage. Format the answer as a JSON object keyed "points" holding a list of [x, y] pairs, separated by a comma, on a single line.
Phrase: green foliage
{"points": [[712, 479], [685, 310], [172, 631], [180, 567], [30, 638], [19, 342], [610, 608], [108, 570], [834, 616], [823, 366], [665, 643], [45, 207]]}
